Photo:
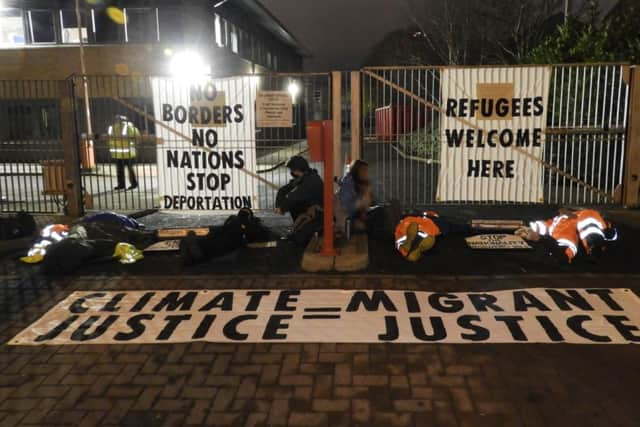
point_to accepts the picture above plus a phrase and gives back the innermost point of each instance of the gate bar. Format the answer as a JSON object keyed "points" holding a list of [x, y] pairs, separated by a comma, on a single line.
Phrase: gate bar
{"points": [[631, 183]]}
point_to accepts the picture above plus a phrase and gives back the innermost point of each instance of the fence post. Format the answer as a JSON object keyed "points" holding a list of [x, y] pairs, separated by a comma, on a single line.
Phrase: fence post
{"points": [[73, 183], [631, 184], [336, 116], [356, 115]]}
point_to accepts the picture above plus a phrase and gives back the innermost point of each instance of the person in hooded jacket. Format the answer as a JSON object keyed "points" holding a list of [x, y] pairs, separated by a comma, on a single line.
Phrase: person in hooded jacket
{"points": [[302, 192]]}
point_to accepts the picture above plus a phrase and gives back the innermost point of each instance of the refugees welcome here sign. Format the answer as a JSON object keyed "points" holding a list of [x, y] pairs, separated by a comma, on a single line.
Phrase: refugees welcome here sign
{"points": [[574, 316], [207, 143], [492, 127]]}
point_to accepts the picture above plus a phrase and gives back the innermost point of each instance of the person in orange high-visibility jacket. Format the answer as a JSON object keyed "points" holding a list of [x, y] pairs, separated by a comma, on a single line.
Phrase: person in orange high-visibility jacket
{"points": [[415, 234], [573, 229]]}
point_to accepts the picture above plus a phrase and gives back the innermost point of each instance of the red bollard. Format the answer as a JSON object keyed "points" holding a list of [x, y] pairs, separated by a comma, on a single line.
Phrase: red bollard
{"points": [[327, 142]]}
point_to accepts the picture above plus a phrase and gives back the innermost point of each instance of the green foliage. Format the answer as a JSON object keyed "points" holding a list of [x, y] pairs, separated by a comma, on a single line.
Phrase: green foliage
{"points": [[586, 39], [423, 143]]}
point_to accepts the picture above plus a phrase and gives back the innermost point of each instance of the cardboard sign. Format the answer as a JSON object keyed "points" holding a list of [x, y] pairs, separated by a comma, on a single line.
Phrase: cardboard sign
{"points": [[497, 241], [164, 246], [573, 316], [274, 109], [492, 126], [208, 132]]}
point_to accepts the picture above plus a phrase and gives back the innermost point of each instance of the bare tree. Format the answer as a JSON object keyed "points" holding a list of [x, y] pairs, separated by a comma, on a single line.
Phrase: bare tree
{"points": [[481, 31]]}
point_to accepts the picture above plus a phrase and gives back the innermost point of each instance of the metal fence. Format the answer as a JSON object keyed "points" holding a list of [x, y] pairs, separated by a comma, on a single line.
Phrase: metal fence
{"points": [[132, 97], [582, 160], [31, 153]]}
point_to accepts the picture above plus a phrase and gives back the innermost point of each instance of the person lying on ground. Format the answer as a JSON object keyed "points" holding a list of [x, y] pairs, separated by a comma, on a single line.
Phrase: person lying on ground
{"points": [[61, 248], [353, 198], [416, 233], [571, 232], [237, 231], [302, 192]]}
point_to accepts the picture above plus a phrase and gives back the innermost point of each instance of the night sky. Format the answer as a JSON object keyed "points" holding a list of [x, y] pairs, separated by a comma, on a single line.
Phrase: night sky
{"points": [[341, 33]]}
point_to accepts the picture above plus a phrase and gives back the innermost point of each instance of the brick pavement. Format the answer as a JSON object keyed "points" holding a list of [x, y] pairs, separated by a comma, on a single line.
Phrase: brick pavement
{"points": [[310, 384]]}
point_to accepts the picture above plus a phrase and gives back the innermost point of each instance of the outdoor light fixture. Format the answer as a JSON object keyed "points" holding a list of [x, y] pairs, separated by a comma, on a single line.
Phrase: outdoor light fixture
{"points": [[294, 90], [255, 81], [188, 65]]}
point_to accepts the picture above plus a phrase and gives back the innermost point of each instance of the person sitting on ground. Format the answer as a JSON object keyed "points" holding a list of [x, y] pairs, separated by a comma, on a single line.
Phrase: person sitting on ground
{"points": [[416, 233], [571, 230], [302, 192], [237, 231], [353, 198]]}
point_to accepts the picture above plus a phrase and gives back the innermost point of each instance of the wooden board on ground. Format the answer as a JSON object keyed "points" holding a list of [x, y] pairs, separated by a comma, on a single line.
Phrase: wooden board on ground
{"points": [[497, 241], [181, 232], [496, 224]]}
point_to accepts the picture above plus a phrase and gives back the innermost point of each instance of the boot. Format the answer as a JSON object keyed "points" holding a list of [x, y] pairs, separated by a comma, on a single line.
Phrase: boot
{"points": [[412, 232]]}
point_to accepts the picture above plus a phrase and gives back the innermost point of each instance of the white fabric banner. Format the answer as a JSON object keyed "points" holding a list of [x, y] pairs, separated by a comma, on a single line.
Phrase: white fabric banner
{"points": [[488, 114], [575, 316], [208, 141]]}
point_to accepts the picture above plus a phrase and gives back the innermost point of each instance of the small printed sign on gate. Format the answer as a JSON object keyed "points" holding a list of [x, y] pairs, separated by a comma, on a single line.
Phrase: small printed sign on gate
{"points": [[274, 109]]}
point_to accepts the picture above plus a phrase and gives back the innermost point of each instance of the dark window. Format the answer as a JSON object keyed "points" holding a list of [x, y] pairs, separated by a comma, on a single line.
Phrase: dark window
{"points": [[141, 25], [69, 26], [170, 25], [107, 31], [42, 27]]}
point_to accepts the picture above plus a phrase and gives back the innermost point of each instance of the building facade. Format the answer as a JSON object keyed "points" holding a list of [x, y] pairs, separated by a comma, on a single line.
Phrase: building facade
{"points": [[39, 39]]}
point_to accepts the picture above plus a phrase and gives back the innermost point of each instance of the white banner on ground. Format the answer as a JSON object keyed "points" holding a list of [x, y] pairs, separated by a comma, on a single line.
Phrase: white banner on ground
{"points": [[488, 115], [575, 316], [207, 142]]}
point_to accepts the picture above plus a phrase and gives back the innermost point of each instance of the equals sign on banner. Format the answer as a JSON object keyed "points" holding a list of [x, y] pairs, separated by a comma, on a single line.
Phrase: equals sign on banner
{"points": [[321, 313]]}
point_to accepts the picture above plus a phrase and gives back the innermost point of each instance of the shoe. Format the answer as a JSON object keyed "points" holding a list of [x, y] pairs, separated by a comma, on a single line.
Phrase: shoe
{"points": [[412, 232], [132, 187], [426, 244], [119, 187]]}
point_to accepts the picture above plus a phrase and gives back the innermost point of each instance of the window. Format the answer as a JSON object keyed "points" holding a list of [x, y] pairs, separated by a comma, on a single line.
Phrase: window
{"points": [[11, 28], [170, 23], [106, 30], [69, 26], [41, 26], [218, 30], [233, 38], [140, 25]]}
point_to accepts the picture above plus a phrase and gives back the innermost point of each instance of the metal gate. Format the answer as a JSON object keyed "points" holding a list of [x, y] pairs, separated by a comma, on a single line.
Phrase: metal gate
{"points": [[31, 152], [582, 159], [132, 97]]}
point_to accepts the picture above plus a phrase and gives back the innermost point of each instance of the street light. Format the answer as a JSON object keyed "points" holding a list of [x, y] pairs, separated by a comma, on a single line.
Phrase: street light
{"points": [[188, 65], [294, 90]]}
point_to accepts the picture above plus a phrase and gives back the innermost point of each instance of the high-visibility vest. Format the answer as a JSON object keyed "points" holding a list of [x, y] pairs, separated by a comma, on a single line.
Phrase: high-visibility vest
{"points": [[426, 227], [571, 231], [122, 144]]}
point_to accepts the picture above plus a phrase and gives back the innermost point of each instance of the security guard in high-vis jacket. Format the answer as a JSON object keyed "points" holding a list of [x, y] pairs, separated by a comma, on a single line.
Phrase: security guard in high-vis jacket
{"points": [[122, 146], [571, 230]]}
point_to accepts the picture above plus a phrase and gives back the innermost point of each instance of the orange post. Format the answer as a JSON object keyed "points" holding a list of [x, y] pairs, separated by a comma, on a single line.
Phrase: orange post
{"points": [[327, 140]]}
